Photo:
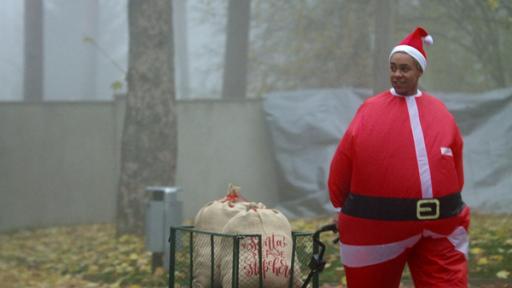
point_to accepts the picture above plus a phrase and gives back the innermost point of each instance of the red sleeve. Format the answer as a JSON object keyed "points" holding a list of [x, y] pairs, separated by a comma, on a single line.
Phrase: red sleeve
{"points": [[458, 158], [340, 172]]}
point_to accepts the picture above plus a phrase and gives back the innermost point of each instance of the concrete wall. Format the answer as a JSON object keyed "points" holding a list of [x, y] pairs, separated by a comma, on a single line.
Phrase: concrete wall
{"points": [[59, 161], [220, 142]]}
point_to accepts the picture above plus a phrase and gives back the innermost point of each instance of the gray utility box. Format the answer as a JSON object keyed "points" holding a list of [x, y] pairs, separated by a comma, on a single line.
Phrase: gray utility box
{"points": [[163, 210]]}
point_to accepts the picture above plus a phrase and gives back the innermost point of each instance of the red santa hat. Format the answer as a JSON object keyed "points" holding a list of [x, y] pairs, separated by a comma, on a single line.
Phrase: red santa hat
{"points": [[413, 45]]}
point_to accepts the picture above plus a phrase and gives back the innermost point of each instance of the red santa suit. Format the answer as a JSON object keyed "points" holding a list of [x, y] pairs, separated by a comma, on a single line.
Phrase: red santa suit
{"points": [[401, 151]]}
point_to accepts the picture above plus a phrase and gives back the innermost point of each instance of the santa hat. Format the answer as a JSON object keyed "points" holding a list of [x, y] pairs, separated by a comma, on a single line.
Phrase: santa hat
{"points": [[413, 45]]}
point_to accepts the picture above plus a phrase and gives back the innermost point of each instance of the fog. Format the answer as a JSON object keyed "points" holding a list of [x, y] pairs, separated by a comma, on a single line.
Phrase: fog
{"points": [[85, 46], [65, 146]]}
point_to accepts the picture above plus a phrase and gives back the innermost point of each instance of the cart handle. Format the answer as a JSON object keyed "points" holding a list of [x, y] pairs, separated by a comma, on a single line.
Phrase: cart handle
{"points": [[317, 262]]}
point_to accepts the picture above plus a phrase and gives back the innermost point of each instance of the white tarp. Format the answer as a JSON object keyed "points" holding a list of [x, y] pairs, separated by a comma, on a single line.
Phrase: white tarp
{"points": [[306, 127]]}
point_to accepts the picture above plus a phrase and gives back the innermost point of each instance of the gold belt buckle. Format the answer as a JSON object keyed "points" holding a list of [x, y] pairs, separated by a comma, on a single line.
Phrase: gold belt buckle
{"points": [[427, 209]]}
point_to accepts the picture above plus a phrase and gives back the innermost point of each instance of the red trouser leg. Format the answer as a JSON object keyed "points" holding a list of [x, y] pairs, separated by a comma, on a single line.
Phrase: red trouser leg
{"points": [[434, 262], [382, 275]]}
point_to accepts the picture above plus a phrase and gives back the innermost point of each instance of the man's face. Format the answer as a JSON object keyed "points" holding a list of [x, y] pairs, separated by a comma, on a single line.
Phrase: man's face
{"points": [[404, 74]]}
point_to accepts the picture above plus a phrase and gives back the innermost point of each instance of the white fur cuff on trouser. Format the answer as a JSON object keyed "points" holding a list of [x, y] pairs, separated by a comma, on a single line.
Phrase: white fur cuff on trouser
{"points": [[365, 255]]}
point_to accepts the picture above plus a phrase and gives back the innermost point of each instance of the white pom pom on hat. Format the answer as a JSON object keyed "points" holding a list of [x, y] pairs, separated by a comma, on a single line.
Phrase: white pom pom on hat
{"points": [[412, 44], [428, 40]]}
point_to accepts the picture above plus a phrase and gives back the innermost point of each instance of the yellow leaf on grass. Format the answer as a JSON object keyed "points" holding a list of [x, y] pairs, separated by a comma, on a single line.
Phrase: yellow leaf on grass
{"points": [[503, 274], [483, 261], [508, 241], [496, 258], [134, 256], [476, 251]]}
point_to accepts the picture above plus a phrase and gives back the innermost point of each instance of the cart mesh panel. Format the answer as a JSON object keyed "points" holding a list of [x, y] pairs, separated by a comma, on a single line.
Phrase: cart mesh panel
{"points": [[197, 258], [303, 246]]}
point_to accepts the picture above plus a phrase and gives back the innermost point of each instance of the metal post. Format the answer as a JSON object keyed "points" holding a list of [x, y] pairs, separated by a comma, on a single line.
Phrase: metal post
{"points": [[163, 211], [236, 254], [172, 257]]}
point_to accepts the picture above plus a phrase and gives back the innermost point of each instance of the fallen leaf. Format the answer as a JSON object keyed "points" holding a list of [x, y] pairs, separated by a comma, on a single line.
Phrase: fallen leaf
{"points": [[476, 251], [503, 274], [483, 261], [496, 258]]}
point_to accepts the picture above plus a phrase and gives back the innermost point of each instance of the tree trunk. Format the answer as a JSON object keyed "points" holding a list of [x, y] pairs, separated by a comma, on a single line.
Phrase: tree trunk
{"points": [[181, 49], [382, 47], [90, 62], [237, 45], [149, 139], [33, 45]]}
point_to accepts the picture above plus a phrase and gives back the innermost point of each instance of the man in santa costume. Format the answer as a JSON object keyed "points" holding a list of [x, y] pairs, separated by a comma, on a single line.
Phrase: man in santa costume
{"points": [[397, 176]]}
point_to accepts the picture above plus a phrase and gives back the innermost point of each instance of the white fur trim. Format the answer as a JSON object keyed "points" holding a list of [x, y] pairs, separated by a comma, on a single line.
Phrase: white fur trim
{"points": [[420, 147], [413, 52], [393, 91], [365, 255], [459, 239]]}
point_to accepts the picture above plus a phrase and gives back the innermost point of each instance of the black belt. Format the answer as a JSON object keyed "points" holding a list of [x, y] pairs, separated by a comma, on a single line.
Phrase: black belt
{"points": [[383, 208]]}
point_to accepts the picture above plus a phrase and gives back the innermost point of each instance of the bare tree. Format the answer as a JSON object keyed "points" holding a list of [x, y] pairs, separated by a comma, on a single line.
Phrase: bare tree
{"points": [[478, 32], [33, 45], [310, 45], [237, 46], [383, 17], [181, 49], [472, 40], [149, 140]]}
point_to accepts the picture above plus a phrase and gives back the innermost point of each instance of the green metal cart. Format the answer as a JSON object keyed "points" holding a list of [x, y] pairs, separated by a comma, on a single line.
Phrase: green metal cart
{"points": [[307, 253]]}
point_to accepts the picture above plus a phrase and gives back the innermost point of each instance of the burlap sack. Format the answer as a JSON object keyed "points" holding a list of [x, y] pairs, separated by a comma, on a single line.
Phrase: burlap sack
{"points": [[275, 231], [212, 218]]}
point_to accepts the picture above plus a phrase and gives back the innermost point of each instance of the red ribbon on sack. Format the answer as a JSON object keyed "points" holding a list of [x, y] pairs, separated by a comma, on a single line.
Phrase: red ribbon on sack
{"points": [[231, 197]]}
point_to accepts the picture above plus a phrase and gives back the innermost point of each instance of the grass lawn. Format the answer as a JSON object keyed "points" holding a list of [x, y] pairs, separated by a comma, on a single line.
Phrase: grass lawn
{"points": [[92, 256]]}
